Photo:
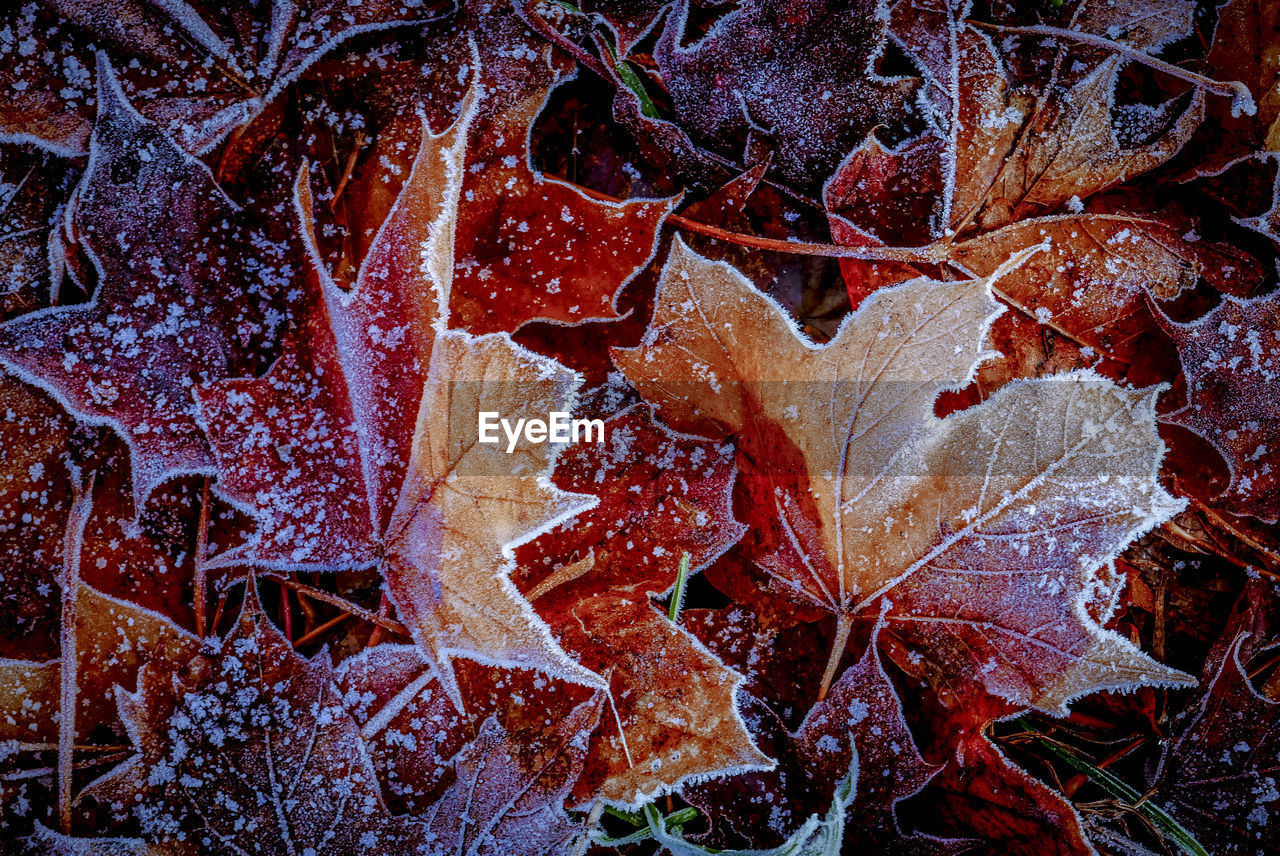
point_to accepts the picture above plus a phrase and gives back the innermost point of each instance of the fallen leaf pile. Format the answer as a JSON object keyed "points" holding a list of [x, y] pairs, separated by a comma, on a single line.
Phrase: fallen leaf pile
{"points": [[919, 365]]}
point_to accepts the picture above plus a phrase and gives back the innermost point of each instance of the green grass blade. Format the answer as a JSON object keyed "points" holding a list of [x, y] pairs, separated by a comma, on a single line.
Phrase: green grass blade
{"points": [[1119, 789], [677, 596]]}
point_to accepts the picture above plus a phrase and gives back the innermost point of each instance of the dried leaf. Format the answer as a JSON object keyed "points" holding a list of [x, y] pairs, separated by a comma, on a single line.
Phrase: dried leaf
{"points": [[323, 450], [249, 750], [1037, 488], [802, 76], [160, 233], [1231, 358], [661, 496]]}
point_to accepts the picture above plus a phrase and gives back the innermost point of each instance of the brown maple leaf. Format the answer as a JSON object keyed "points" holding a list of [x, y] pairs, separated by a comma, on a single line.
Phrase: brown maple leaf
{"points": [[360, 446], [661, 496], [1231, 359], [197, 69], [981, 536], [1004, 151], [161, 234], [528, 246], [247, 748]]}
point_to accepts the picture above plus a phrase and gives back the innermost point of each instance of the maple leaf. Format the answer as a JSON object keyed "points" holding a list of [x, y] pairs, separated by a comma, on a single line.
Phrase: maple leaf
{"points": [[981, 535], [159, 231], [1097, 269], [391, 690], [205, 68], [861, 720], [101, 640], [801, 75], [1218, 775], [1243, 49], [661, 496], [360, 447], [1001, 151], [981, 795], [530, 247], [248, 749], [1230, 356], [510, 798], [112, 639]]}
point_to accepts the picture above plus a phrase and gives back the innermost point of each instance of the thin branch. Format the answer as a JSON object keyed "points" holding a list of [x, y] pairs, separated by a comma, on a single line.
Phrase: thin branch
{"points": [[346, 606], [322, 629], [1241, 98], [201, 584]]}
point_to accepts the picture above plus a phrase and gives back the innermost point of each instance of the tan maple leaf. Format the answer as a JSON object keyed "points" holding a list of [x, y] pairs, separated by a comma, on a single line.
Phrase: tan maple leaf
{"points": [[987, 529]]}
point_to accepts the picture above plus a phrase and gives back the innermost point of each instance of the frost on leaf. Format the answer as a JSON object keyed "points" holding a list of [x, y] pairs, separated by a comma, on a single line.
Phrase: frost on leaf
{"points": [[1094, 275], [860, 720], [171, 309], [802, 76], [206, 67], [987, 529], [1219, 776], [359, 447], [1231, 359], [1002, 149], [661, 496], [35, 496], [508, 797], [46, 842], [531, 247], [248, 745], [113, 639]]}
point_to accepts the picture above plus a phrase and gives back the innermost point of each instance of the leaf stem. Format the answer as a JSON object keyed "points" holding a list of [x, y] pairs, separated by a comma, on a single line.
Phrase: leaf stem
{"points": [[844, 623]]}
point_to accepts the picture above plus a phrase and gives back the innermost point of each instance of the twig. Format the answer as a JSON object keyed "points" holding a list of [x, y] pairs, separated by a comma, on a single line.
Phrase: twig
{"points": [[324, 628], [346, 606], [384, 607], [1241, 98], [201, 583]]}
